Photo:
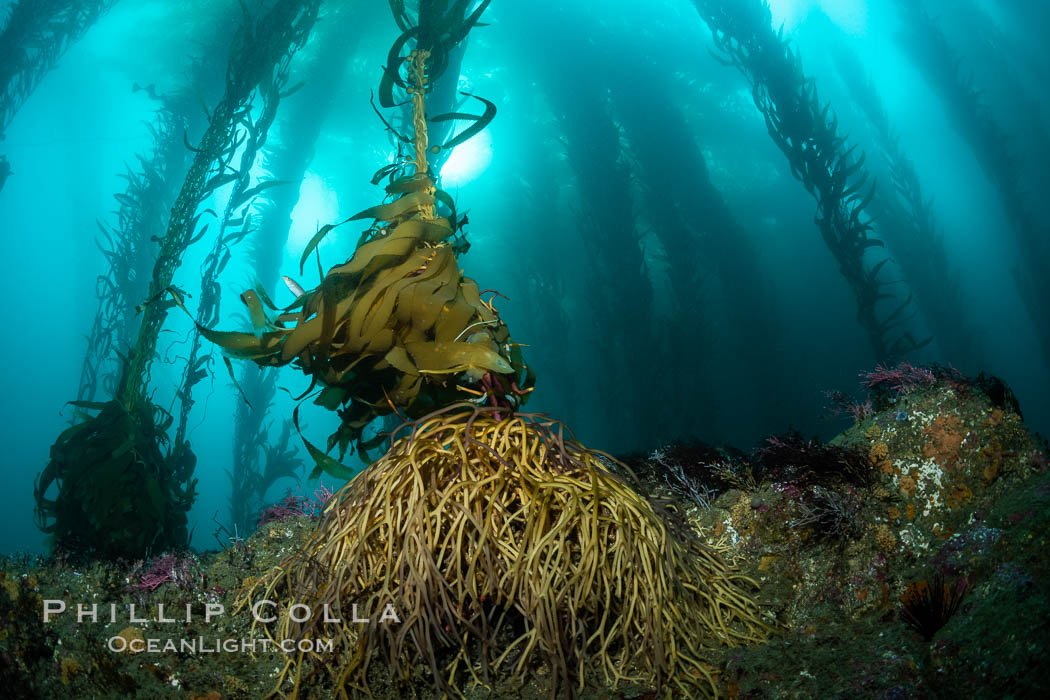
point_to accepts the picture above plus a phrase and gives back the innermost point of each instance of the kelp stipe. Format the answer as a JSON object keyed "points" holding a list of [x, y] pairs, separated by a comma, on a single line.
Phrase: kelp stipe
{"points": [[236, 221], [555, 561], [806, 132], [125, 447], [259, 45], [906, 220]]}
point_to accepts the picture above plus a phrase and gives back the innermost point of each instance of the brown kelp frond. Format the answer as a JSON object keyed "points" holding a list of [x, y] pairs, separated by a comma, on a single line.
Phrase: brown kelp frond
{"points": [[395, 329], [508, 553]]}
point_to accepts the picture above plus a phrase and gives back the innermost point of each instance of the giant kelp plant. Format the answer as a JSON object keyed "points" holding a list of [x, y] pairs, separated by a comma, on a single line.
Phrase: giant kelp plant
{"points": [[130, 244], [107, 464], [511, 551], [906, 219], [236, 221], [123, 488], [259, 46], [1011, 77], [35, 35], [130, 248], [383, 331], [806, 132]]}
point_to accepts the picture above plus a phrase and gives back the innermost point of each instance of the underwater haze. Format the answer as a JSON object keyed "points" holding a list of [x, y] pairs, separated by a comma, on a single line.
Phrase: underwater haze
{"points": [[685, 249]]}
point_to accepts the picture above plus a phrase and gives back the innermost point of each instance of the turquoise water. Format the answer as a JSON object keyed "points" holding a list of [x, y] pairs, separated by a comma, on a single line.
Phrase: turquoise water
{"points": [[626, 165]]}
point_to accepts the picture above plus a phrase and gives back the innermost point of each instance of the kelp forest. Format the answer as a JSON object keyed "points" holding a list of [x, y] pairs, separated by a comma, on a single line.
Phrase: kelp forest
{"points": [[583, 350]]}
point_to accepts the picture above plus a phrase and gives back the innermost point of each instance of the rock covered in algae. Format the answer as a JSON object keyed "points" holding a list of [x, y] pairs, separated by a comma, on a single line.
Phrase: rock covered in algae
{"points": [[923, 579], [87, 659]]}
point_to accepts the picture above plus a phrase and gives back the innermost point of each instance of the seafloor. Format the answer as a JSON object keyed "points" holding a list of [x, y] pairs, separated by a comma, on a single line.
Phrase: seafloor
{"points": [[907, 560]]}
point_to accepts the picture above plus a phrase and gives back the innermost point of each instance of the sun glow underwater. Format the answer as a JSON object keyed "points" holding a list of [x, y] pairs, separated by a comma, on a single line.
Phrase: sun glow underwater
{"points": [[850, 15], [318, 203], [467, 161]]}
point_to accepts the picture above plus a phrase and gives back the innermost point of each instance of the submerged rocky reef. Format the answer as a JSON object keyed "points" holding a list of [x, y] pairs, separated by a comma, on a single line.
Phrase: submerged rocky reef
{"points": [[905, 558]]}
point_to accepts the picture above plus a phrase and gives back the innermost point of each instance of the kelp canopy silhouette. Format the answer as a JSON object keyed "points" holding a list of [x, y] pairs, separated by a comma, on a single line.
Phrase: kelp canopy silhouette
{"points": [[396, 328], [121, 493], [258, 458], [907, 220], [578, 92], [806, 132], [506, 545], [103, 464], [976, 123]]}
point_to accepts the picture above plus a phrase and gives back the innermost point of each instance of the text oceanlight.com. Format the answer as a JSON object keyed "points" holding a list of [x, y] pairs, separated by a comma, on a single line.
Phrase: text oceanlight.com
{"points": [[214, 646]]}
